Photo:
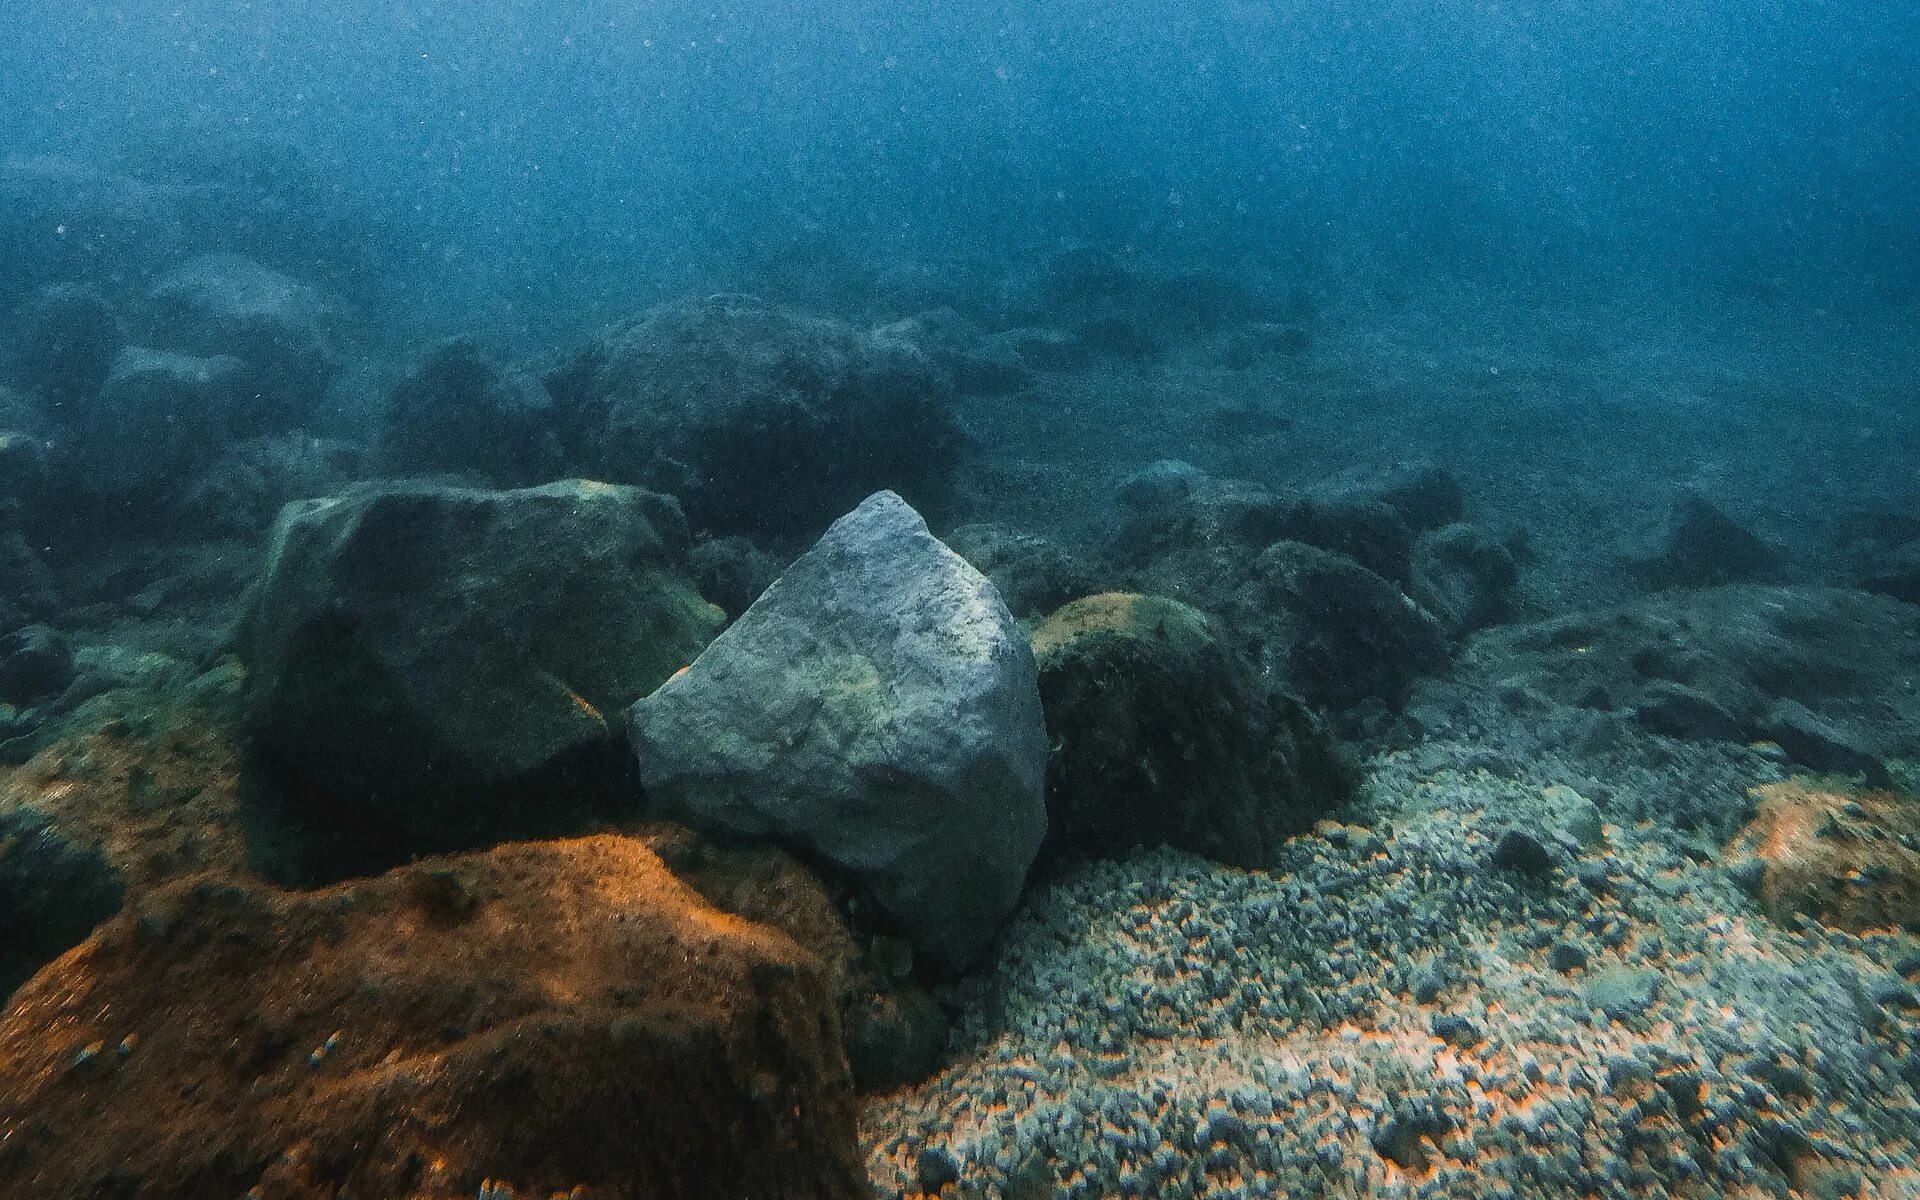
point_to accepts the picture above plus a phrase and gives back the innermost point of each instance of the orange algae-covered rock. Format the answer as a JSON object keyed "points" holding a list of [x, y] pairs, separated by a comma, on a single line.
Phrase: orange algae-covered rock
{"points": [[551, 1017], [1848, 859]]}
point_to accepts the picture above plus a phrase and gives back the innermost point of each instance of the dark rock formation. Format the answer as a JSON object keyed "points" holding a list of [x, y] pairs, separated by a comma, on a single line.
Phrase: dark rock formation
{"points": [[460, 412], [1336, 632], [537, 1018], [35, 663], [1160, 735], [441, 666], [876, 709], [1703, 547], [278, 326], [762, 421], [1463, 577], [1032, 574], [158, 418], [52, 894], [68, 338]]}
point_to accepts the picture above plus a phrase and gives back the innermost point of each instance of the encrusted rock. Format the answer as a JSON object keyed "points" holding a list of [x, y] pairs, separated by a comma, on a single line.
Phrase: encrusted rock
{"points": [[878, 709], [1161, 735], [532, 1019], [762, 421], [458, 411], [443, 664]]}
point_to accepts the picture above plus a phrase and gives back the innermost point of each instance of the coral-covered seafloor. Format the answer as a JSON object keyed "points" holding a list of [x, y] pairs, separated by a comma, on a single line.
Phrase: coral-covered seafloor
{"points": [[1356, 745]]}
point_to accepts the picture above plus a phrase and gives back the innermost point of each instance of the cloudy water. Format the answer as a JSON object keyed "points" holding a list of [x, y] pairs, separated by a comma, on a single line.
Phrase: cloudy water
{"points": [[1006, 600]]}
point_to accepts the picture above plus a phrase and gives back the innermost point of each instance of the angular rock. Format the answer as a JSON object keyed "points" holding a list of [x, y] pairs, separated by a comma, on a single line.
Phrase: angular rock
{"points": [[52, 894], [1463, 577], [763, 422], [440, 665], [1161, 736], [459, 412], [1425, 496], [732, 571], [1033, 575], [1679, 711], [977, 364], [1822, 745], [1895, 572], [223, 304], [876, 709], [158, 418], [1337, 633], [1704, 547], [527, 1021]]}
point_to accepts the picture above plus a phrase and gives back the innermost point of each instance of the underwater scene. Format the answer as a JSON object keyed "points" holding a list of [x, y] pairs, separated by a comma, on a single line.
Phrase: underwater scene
{"points": [[1030, 599]]}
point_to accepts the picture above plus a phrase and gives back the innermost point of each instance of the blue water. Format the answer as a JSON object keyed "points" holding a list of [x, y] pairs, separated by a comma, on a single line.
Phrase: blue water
{"points": [[541, 165]]}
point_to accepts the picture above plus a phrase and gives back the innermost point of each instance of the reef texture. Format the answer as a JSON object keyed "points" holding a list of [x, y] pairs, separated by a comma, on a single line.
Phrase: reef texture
{"points": [[563, 1018]]}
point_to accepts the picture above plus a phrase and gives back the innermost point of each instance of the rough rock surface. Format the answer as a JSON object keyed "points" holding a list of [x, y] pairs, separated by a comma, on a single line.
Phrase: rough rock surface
{"points": [[458, 411], [443, 663], [158, 417], [1033, 575], [1703, 547], [1337, 632], [877, 709], [526, 1021], [226, 304], [1850, 860], [52, 893], [1161, 735], [762, 421]]}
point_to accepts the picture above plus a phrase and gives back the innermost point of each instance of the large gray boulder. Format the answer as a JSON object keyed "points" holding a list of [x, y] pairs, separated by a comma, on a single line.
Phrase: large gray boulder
{"points": [[439, 666], [878, 709]]}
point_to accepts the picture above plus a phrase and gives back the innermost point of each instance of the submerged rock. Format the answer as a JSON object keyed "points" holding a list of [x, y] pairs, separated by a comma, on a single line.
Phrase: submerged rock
{"points": [[762, 421], [1033, 574], [158, 417], [1847, 859], [1463, 577], [35, 663], [1703, 547], [526, 1021], [1160, 735], [223, 304], [52, 894], [877, 709], [438, 663], [458, 411], [1337, 632]]}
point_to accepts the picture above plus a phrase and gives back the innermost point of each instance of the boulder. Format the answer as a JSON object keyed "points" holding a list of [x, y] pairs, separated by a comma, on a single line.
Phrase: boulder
{"points": [[732, 571], [68, 337], [1821, 744], [1463, 577], [1847, 859], [1335, 632], [223, 304], [62, 221], [461, 413], [1704, 547], [241, 493], [158, 418], [1894, 571], [878, 710], [1032, 574], [27, 590], [1161, 735], [976, 363], [1421, 494], [762, 421], [35, 663], [52, 894], [527, 1021], [440, 665]]}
